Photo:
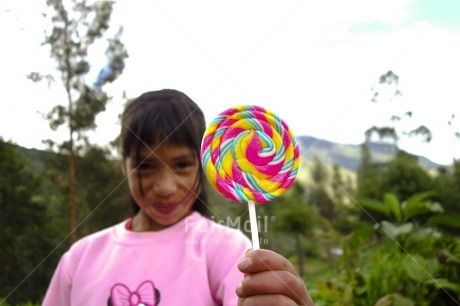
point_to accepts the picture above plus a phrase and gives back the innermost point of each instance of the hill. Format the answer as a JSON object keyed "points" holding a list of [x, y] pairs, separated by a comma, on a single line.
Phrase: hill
{"points": [[348, 156], [35, 157]]}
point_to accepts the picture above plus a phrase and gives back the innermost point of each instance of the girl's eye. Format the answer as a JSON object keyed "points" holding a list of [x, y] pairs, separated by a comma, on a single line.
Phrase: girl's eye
{"points": [[183, 165], [144, 167]]}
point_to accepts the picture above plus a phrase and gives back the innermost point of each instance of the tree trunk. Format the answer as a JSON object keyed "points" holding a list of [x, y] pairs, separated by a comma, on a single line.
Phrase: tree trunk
{"points": [[72, 198], [300, 253], [72, 189]]}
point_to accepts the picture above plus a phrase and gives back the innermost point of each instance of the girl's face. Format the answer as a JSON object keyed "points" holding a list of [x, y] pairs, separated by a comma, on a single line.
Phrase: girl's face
{"points": [[164, 183]]}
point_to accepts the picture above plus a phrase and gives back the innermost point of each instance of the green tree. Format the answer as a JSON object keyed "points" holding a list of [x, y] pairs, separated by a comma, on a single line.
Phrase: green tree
{"points": [[25, 236], [319, 194], [369, 175], [296, 218], [104, 198], [76, 25], [103, 195], [446, 184], [318, 173], [405, 177], [338, 184], [402, 176]]}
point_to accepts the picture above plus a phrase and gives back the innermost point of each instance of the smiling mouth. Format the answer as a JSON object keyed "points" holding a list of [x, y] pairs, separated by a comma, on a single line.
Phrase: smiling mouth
{"points": [[165, 209]]}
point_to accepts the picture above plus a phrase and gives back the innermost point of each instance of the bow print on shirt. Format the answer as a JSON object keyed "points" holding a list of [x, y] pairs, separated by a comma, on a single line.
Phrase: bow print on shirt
{"points": [[145, 295]]}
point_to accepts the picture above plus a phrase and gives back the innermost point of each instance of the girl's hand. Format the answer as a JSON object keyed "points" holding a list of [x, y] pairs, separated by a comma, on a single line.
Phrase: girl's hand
{"points": [[270, 279]]}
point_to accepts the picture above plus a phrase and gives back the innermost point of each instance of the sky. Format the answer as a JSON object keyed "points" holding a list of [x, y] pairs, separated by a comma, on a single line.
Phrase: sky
{"points": [[314, 63]]}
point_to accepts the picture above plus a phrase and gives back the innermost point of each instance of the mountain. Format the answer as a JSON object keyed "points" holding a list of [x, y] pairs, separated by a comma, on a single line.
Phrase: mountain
{"points": [[35, 157], [348, 156]]}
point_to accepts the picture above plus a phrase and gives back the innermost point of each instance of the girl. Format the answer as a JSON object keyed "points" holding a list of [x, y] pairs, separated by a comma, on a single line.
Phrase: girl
{"points": [[169, 253]]}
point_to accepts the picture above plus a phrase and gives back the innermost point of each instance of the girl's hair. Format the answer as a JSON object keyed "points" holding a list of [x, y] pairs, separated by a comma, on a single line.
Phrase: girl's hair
{"points": [[164, 116]]}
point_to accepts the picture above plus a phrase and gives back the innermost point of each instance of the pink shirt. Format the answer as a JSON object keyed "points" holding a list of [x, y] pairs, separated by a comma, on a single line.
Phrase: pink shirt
{"points": [[193, 262]]}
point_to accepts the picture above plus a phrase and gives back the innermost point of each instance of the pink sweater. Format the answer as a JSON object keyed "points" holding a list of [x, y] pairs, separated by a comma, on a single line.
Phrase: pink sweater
{"points": [[190, 263]]}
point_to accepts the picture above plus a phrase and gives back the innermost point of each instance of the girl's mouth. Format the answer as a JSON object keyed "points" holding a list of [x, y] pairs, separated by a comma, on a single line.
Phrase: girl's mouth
{"points": [[166, 209]]}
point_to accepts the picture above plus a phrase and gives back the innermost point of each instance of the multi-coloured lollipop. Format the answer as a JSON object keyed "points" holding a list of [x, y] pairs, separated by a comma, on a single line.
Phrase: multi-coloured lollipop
{"points": [[249, 154]]}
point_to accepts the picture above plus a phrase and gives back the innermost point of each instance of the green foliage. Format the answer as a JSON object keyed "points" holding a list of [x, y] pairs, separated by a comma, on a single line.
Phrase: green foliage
{"points": [[104, 197], [402, 176], [297, 218], [378, 273], [25, 235], [369, 176], [392, 202], [399, 212], [319, 173], [103, 193], [405, 177], [385, 270], [447, 186], [419, 204], [18, 304], [447, 220], [394, 299], [33, 214], [332, 293], [376, 206], [400, 260]]}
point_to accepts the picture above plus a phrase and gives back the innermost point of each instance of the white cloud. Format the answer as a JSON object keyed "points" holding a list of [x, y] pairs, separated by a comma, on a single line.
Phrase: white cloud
{"points": [[280, 55]]}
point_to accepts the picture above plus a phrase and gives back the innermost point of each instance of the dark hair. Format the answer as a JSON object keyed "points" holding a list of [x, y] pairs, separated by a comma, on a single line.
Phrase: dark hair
{"points": [[164, 116]]}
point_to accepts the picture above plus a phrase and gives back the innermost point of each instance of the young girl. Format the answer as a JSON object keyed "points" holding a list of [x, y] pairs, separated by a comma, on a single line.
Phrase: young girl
{"points": [[169, 253]]}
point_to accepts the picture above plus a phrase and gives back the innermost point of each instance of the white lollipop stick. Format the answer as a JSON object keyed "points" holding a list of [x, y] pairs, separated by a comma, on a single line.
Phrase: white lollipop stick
{"points": [[253, 221]]}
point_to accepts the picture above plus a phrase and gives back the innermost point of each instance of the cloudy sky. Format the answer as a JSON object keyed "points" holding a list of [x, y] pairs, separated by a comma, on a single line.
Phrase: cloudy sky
{"points": [[312, 62]]}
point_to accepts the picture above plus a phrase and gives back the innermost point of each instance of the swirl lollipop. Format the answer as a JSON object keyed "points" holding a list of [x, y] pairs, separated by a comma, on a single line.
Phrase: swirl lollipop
{"points": [[250, 155]]}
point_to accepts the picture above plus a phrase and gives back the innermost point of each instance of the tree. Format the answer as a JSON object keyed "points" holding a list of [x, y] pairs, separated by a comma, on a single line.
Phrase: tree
{"points": [[319, 195], [402, 176], [104, 195], [387, 90], [447, 187], [405, 177], [319, 174], [373, 178], [363, 172], [76, 25], [296, 218], [388, 87], [454, 130], [25, 236], [338, 185]]}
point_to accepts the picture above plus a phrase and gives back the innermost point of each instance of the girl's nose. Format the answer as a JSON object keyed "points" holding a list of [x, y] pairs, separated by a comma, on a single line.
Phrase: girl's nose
{"points": [[165, 185]]}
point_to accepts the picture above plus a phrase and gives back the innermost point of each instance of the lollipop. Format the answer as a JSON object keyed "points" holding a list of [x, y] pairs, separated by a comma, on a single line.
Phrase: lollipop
{"points": [[250, 155]]}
